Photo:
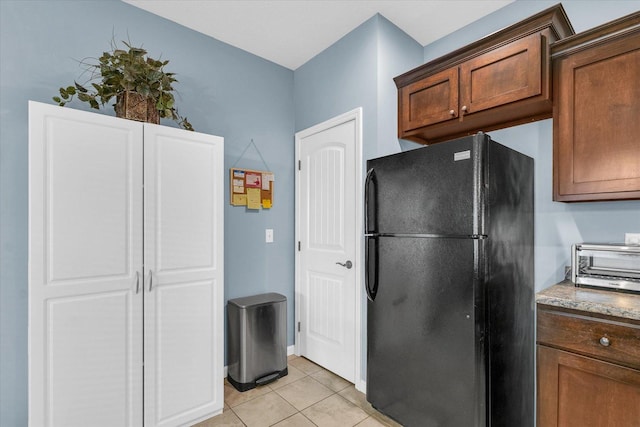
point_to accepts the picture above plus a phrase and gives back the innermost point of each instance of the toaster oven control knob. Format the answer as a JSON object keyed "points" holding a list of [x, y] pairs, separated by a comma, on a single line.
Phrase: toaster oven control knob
{"points": [[604, 341]]}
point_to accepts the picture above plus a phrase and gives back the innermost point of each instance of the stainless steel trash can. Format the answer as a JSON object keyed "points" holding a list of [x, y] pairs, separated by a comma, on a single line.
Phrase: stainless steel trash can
{"points": [[256, 340]]}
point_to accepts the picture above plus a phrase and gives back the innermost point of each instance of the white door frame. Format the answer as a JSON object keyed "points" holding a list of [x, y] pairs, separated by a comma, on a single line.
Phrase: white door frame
{"points": [[355, 115]]}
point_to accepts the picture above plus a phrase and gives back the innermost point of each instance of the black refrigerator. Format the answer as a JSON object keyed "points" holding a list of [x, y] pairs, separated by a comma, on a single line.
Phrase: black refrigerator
{"points": [[449, 280]]}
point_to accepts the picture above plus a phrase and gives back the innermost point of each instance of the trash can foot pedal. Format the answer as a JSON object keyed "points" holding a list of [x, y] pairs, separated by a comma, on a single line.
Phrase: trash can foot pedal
{"points": [[260, 381], [271, 377]]}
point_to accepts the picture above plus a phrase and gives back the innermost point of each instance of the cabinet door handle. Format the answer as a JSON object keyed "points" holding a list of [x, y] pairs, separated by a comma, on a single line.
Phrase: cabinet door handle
{"points": [[604, 341], [464, 109], [452, 112], [150, 280], [137, 282]]}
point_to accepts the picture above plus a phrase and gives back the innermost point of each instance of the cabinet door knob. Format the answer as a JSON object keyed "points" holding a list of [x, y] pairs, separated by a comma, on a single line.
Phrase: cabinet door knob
{"points": [[452, 112], [604, 341], [464, 108]]}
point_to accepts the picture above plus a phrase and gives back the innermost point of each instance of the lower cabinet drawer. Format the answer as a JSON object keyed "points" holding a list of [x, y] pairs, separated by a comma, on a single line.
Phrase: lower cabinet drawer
{"points": [[601, 338]]}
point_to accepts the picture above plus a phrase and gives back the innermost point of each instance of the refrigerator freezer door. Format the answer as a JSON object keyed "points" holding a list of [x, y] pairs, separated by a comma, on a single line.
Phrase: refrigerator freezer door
{"points": [[430, 190], [424, 340]]}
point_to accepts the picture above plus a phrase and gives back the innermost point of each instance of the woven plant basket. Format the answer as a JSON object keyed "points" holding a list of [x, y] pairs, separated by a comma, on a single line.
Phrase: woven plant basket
{"points": [[133, 106]]}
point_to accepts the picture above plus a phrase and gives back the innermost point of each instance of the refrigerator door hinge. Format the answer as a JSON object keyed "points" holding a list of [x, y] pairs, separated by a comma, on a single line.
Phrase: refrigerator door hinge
{"points": [[298, 326], [299, 246], [299, 165]]}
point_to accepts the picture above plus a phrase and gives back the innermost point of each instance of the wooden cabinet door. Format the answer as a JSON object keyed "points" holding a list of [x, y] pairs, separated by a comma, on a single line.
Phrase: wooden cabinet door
{"points": [[579, 391], [431, 100], [510, 73], [597, 122], [183, 256], [85, 265]]}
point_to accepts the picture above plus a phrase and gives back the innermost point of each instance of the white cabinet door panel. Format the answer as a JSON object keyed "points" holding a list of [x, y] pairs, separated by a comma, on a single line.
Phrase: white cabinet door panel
{"points": [[85, 254], [184, 375], [184, 276], [88, 358], [88, 178]]}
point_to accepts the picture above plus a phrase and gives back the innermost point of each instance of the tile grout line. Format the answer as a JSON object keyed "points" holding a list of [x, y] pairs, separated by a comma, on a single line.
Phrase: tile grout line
{"points": [[308, 374]]}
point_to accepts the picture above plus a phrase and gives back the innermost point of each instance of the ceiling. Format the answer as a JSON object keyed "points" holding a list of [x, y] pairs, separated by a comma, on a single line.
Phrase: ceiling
{"points": [[290, 32]]}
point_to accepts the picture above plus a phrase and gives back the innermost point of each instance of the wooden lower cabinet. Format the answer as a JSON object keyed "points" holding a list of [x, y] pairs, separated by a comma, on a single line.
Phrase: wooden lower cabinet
{"points": [[580, 391], [588, 370]]}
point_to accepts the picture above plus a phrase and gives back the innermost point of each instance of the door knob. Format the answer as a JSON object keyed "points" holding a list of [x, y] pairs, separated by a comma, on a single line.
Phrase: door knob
{"points": [[347, 264]]}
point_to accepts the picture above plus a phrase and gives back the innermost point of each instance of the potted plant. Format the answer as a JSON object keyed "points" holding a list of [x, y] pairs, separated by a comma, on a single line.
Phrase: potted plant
{"points": [[141, 87]]}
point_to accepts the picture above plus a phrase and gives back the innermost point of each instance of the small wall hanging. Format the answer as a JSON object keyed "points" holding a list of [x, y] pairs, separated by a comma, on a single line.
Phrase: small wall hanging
{"points": [[251, 188]]}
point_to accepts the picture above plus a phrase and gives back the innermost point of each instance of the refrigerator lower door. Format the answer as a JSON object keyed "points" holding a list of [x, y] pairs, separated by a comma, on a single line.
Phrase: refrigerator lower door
{"points": [[424, 359]]}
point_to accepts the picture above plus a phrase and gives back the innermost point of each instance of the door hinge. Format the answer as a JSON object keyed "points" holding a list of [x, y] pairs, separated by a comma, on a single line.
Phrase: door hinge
{"points": [[299, 165], [298, 326], [299, 246]]}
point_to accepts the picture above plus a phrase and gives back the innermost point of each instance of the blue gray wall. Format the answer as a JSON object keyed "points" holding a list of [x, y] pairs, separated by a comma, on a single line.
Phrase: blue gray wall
{"points": [[223, 91], [228, 92]]}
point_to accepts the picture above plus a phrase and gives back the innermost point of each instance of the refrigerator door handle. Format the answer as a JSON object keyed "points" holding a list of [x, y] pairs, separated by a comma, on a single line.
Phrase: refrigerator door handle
{"points": [[369, 180], [370, 285]]}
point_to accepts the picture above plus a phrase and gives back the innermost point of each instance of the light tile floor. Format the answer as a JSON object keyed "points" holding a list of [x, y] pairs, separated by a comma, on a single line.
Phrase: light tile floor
{"points": [[308, 396]]}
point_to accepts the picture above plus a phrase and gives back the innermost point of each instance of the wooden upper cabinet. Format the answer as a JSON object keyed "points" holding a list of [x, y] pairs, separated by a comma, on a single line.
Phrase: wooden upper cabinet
{"points": [[507, 74], [597, 113], [431, 100], [499, 81]]}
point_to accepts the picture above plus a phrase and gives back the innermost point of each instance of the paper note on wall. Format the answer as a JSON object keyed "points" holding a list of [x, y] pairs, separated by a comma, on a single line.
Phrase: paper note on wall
{"points": [[267, 179], [253, 198], [239, 200]]}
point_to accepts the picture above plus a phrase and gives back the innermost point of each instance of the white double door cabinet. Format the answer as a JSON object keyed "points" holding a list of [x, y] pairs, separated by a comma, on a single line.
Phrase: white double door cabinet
{"points": [[125, 272]]}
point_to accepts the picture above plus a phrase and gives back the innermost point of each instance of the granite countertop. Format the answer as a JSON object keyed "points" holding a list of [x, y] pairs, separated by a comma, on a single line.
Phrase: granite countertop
{"points": [[565, 294]]}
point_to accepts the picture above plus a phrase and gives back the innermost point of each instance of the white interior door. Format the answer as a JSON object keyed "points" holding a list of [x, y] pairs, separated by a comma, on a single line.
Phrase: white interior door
{"points": [[183, 276], [328, 232], [85, 256]]}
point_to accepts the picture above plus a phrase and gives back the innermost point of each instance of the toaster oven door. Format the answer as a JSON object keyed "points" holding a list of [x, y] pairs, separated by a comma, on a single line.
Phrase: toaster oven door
{"points": [[611, 267]]}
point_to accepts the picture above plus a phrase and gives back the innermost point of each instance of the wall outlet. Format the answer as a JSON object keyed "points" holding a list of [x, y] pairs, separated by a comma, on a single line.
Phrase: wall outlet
{"points": [[268, 235], [632, 238]]}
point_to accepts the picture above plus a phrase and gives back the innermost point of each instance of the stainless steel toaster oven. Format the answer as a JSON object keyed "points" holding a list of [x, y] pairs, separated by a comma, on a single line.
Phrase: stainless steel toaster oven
{"points": [[615, 266]]}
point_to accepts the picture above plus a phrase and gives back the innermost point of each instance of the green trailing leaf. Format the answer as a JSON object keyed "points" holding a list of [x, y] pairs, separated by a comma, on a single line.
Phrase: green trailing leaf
{"points": [[84, 97]]}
